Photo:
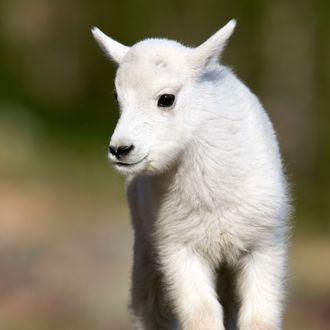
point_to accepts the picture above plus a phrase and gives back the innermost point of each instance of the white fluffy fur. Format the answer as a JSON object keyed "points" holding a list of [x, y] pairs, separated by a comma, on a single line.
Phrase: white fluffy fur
{"points": [[206, 189]]}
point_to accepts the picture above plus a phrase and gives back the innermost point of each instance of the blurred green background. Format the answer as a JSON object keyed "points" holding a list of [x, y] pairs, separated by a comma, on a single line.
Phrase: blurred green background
{"points": [[65, 237]]}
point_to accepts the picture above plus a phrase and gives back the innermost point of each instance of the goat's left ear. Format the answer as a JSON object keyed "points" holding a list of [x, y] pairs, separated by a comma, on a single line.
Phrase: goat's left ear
{"points": [[210, 50], [115, 50]]}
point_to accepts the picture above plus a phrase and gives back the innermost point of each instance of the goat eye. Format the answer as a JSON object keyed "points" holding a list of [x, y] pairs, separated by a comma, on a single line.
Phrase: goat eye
{"points": [[166, 100], [115, 95]]}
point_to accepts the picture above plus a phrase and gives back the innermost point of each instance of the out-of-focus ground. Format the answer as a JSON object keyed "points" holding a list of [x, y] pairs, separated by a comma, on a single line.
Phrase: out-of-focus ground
{"points": [[65, 245], [65, 241]]}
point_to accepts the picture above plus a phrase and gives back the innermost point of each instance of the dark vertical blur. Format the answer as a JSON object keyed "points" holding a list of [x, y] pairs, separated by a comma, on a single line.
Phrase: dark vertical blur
{"points": [[65, 239]]}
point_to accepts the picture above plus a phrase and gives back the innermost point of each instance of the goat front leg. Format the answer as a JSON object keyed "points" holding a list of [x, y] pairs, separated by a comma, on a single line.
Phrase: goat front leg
{"points": [[190, 284], [149, 307], [261, 289]]}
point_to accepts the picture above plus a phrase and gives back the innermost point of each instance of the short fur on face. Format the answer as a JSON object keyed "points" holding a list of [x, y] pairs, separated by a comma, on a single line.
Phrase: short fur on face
{"points": [[147, 70]]}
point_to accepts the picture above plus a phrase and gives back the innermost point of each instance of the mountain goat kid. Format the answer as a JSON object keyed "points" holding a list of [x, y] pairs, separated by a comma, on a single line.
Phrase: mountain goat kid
{"points": [[205, 185]]}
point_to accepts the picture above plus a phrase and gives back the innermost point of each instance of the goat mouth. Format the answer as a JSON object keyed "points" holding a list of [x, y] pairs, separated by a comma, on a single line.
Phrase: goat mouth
{"points": [[123, 164]]}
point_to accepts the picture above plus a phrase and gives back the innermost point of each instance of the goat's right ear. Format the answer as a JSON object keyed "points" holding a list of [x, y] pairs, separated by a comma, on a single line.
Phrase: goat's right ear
{"points": [[115, 50]]}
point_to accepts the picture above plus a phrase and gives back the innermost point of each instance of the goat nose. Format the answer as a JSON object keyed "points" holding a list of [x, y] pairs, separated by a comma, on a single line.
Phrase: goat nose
{"points": [[121, 150]]}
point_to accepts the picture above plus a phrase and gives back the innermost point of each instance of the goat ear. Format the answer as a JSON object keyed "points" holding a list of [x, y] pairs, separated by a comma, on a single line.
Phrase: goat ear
{"points": [[210, 50], [115, 50]]}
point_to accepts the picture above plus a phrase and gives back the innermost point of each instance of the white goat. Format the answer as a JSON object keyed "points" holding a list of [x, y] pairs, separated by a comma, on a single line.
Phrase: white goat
{"points": [[205, 185]]}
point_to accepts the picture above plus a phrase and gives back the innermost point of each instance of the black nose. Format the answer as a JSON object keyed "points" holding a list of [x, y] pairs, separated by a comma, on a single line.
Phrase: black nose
{"points": [[121, 150]]}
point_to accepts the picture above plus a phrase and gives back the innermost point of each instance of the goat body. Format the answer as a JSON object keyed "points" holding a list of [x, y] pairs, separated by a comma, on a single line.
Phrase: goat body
{"points": [[205, 185]]}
